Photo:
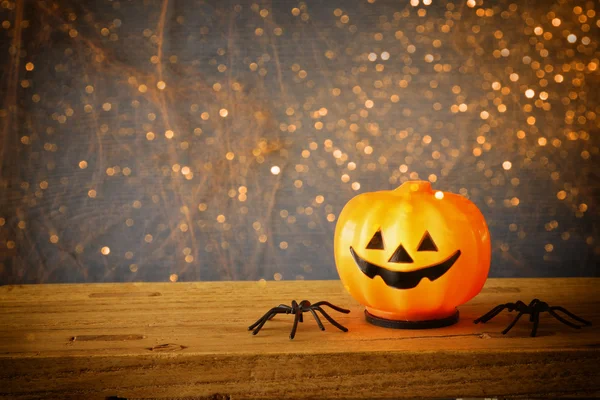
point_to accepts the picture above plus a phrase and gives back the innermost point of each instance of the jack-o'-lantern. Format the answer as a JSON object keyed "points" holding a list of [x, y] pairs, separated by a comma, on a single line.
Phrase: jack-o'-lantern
{"points": [[412, 255]]}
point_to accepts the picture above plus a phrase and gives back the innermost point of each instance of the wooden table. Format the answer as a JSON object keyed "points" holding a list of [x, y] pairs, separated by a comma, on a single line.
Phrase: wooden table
{"points": [[190, 340]]}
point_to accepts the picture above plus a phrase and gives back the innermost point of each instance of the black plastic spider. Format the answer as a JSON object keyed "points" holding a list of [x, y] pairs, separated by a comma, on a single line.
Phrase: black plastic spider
{"points": [[298, 310], [534, 309]]}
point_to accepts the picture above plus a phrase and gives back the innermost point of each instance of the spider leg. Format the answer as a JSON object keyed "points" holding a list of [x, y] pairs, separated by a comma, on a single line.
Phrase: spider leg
{"points": [[564, 321], [533, 302], [317, 319], [570, 314], [261, 324], [490, 314], [331, 320], [498, 311], [535, 318], [336, 308], [520, 306], [509, 327], [535, 310], [295, 326], [280, 306], [270, 314], [301, 319]]}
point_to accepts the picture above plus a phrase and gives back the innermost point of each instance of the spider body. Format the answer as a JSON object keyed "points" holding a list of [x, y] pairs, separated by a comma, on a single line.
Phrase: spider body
{"points": [[298, 309], [533, 309]]}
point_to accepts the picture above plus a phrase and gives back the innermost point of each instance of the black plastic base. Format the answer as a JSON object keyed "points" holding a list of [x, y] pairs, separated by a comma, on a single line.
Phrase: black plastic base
{"points": [[428, 324]]}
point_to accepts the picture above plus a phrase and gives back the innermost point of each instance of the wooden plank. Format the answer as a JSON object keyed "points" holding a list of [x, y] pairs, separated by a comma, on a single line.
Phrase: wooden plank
{"points": [[153, 340]]}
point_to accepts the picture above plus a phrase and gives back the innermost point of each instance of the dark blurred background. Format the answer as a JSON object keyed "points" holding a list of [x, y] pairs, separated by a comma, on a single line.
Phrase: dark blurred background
{"points": [[198, 140]]}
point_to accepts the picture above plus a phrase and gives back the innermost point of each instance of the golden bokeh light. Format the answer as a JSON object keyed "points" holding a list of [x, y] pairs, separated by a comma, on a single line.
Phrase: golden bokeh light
{"points": [[228, 154]]}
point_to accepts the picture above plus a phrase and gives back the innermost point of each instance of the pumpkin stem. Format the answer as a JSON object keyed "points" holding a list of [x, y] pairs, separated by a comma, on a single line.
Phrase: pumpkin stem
{"points": [[413, 186]]}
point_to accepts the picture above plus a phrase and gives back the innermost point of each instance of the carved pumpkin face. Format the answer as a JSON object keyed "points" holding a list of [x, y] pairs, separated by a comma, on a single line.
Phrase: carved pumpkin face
{"points": [[411, 253]]}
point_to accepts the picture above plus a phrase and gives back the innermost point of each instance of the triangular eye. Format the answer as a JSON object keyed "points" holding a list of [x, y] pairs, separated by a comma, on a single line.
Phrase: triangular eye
{"points": [[376, 242], [401, 256], [427, 243]]}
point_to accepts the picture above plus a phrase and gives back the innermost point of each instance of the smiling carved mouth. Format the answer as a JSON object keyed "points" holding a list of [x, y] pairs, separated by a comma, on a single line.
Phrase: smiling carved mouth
{"points": [[404, 280]]}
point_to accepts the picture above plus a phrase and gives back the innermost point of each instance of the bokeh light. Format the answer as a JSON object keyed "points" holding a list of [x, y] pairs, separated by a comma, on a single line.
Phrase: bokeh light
{"points": [[162, 142]]}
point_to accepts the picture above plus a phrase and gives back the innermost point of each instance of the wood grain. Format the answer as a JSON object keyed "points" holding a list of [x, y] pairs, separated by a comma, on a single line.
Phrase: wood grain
{"points": [[190, 340]]}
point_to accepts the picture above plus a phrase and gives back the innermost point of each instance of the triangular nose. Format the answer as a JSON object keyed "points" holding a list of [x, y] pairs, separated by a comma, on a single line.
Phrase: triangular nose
{"points": [[401, 256]]}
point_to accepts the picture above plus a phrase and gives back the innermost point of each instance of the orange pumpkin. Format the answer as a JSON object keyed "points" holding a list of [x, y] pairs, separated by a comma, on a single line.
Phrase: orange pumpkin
{"points": [[412, 254]]}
